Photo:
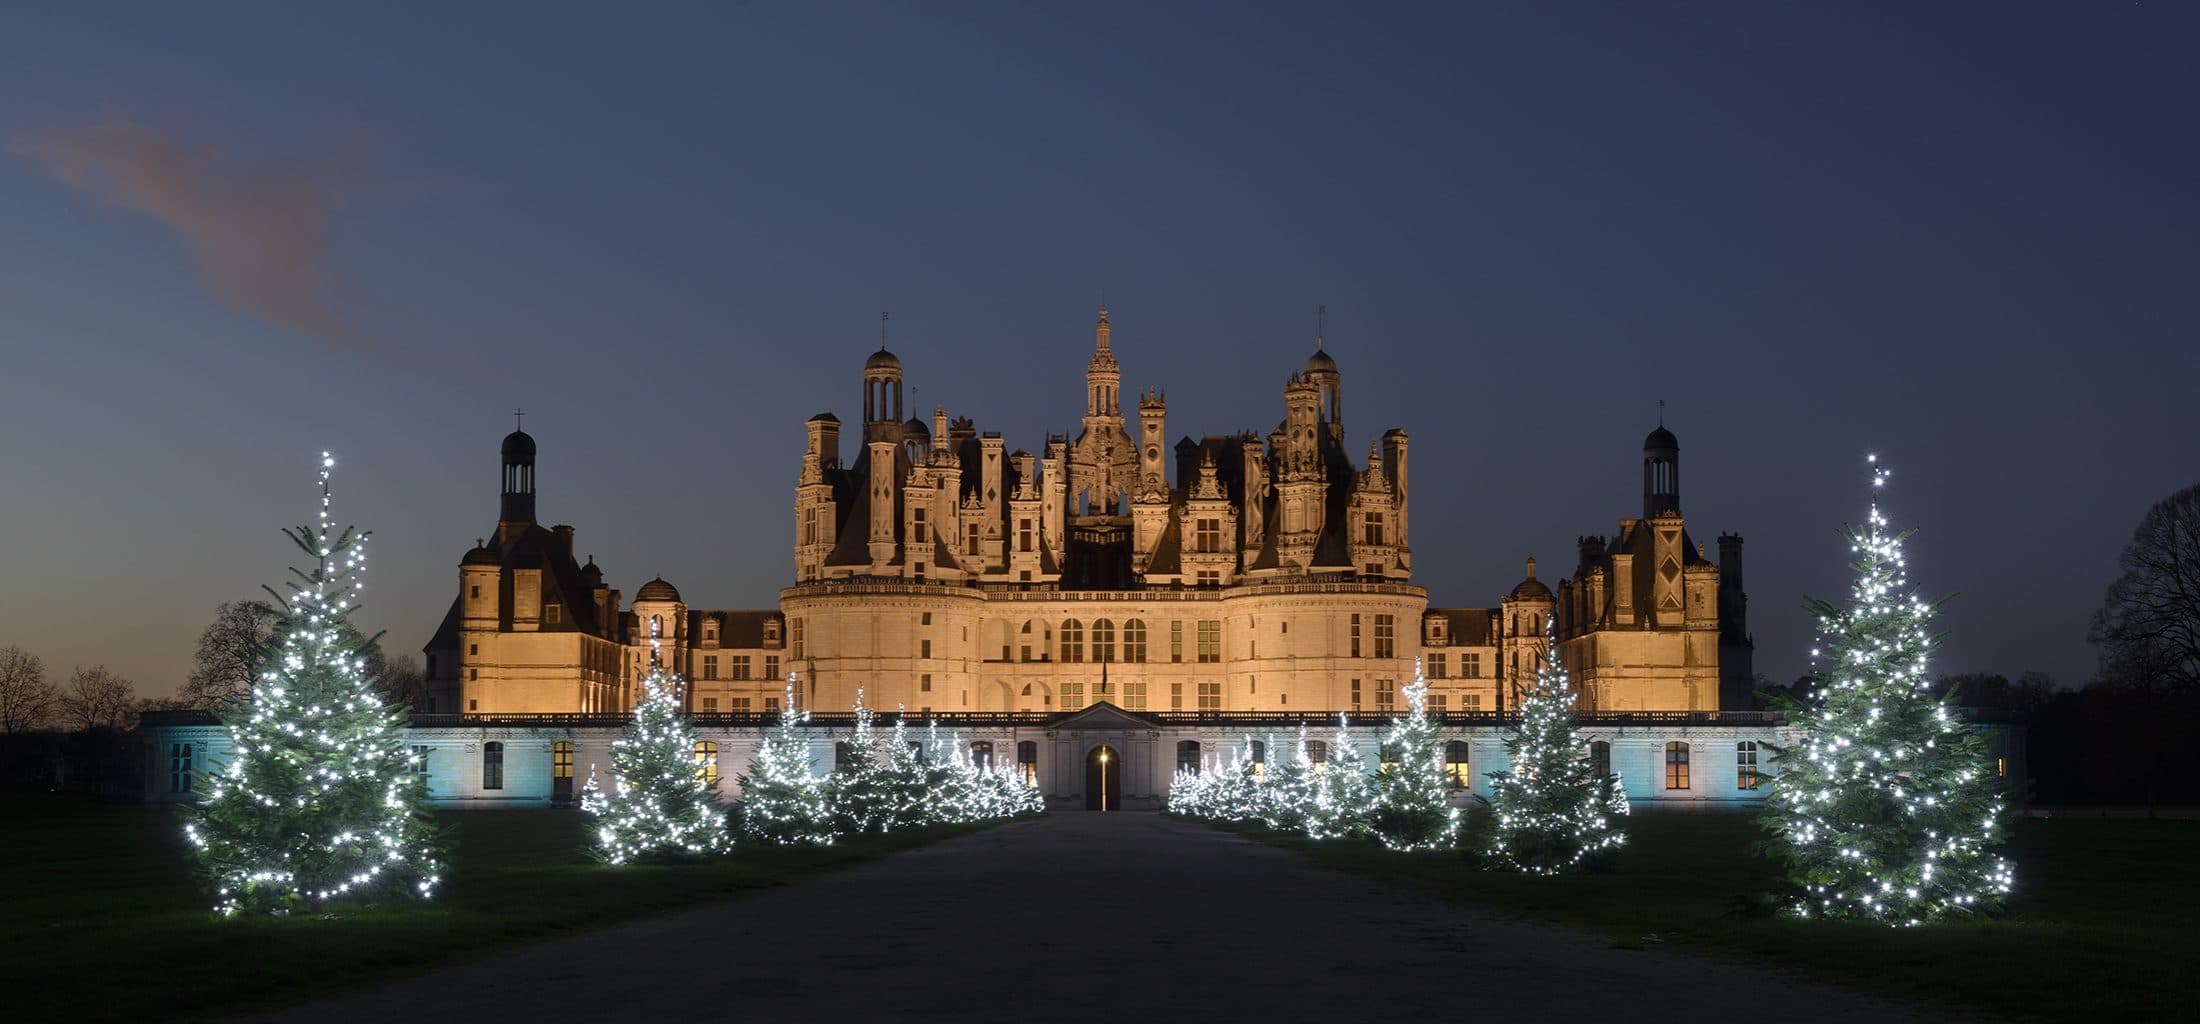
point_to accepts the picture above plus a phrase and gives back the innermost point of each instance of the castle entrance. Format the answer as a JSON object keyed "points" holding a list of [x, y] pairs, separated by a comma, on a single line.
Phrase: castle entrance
{"points": [[1103, 779]]}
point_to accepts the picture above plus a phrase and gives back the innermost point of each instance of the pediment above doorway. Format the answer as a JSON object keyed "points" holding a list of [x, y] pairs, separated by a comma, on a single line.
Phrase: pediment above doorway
{"points": [[1101, 716]]}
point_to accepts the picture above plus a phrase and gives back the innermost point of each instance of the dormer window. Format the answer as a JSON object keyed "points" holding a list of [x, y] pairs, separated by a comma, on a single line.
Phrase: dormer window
{"points": [[771, 631], [710, 631], [553, 613]]}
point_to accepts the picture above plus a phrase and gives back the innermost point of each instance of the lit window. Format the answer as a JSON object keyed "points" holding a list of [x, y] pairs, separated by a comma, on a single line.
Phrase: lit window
{"points": [[2001, 767], [1210, 696], [1745, 764], [1176, 696], [1027, 761], [1676, 765], [1455, 764], [561, 760], [706, 762], [492, 765], [1073, 696], [1134, 696], [1259, 751]]}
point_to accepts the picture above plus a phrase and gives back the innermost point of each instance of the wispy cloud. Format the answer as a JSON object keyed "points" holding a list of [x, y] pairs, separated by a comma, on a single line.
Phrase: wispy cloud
{"points": [[258, 229]]}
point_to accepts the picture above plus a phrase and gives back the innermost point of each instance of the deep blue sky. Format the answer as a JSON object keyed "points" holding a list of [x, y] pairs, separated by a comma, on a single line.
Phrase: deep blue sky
{"points": [[1960, 235]]}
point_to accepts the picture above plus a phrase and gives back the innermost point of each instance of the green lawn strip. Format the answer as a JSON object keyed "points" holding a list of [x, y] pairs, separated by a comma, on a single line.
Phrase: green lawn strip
{"points": [[2106, 919], [101, 917]]}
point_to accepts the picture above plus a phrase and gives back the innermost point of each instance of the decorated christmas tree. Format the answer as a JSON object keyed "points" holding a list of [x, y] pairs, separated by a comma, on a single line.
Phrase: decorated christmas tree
{"points": [[1288, 788], [907, 779], [662, 809], [1413, 810], [1344, 795], [1888, 809], [1553, 812], [319, 800], [862, 800], [782, 799]]}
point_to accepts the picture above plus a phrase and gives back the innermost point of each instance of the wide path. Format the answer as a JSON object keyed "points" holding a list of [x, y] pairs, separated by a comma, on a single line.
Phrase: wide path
{"points": [[1090, 917]]}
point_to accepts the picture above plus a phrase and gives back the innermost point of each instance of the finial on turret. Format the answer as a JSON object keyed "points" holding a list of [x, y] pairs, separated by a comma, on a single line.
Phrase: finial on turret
{"points": [[1321, 324]]}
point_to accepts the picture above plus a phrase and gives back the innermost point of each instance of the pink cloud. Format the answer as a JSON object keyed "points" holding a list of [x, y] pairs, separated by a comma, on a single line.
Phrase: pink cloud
{"points": [[258, 230]]}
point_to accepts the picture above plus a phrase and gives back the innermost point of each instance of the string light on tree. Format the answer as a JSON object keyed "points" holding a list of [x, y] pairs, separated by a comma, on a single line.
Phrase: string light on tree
{"points": [[1552, 812], [1887, 809], [782, 799], [1413, 810], [663, 808], [319, 800]]}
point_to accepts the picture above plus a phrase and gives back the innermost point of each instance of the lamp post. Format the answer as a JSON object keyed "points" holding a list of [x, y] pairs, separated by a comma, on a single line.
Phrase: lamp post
{"points": [[1103, 780]]}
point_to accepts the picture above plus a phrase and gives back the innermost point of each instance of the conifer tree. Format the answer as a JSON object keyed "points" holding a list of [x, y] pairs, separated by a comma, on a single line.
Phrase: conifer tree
{"points": [[1414, 811], [1552, 812], [319, 800], [1288, 787], [663, 809], [1887, 810], [782, 799], [861, 799], [1344, 795]]}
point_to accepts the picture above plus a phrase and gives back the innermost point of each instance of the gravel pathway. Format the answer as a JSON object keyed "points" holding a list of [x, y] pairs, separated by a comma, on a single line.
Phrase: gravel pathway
{"points": [[1092, 917]]}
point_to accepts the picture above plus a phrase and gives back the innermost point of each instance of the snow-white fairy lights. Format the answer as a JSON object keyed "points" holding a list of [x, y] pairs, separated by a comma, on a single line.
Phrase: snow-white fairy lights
{"points": [[1552, 812], [319, 800], [1886, 810], [662, 808]]}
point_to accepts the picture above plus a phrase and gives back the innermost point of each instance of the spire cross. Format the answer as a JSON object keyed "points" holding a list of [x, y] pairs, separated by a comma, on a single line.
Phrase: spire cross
{"points": [[883, 316], [517, 416]]}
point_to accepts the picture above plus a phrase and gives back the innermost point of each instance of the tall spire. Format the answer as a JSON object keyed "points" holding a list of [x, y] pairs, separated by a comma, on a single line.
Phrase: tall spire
{"points": [[1100, 331]]}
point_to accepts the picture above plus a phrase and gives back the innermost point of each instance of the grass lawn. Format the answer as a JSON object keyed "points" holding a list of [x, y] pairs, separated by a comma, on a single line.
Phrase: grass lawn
{"points": [[2105, 923], [101, 918]]}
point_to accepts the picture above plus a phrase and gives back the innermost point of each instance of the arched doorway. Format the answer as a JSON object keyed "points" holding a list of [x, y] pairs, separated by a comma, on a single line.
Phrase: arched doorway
{"points": [[1103, 779]]}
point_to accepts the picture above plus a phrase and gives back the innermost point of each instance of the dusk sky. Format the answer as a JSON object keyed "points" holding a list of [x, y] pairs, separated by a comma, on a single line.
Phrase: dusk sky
{"points": [[1962, 236]]}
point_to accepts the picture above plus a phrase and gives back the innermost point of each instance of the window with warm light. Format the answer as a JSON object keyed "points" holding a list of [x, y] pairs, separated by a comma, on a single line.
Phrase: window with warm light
{"points": [[1073, 696], [1456, 764], [1027, 761], [706, 762], [1210, 696], [1745, 764], [561, 760], [1676, 765]]}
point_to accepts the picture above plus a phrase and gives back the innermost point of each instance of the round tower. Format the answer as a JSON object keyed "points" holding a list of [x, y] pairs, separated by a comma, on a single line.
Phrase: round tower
{"points": [[882, 396]]}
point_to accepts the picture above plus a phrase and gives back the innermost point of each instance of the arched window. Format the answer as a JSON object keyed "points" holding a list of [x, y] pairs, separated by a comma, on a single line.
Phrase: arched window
{"points": [[981, 754], [492, 765], [1535, 624], [706, 762], [1455, 764], [1103, 640], [1676, 765], [1600, 758], [1027, 761], [1073, 641], [1745, 764], [1187, 755], [1134, 640]]}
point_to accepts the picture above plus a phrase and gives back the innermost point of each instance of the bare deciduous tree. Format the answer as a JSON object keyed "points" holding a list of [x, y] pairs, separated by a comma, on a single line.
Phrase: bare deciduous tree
{"points": [[231, 650], [2148, 628], [400, 680], [27, 698], [98, 699], [2152, 612]]}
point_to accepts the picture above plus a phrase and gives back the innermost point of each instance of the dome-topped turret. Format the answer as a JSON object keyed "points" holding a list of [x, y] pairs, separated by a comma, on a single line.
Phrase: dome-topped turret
{"points": [[882, 360], [1320, 362], [916, 428], [518, 446], [1661, 440], [657, 590], [1530, 589], [480, 555]]}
